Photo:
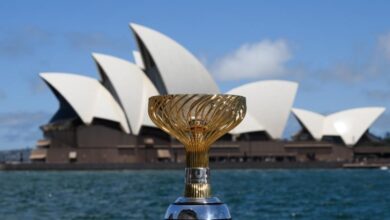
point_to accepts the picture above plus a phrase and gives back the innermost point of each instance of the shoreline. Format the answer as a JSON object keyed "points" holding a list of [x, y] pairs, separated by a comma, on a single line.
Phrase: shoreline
{"points": [[179, 166]]}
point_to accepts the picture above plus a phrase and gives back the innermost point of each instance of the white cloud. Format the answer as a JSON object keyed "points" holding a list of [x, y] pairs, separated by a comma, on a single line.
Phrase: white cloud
{"points": [[3, 95], [252, 61], [364, 66], [19, 128], [344, 72], [384, 44]]}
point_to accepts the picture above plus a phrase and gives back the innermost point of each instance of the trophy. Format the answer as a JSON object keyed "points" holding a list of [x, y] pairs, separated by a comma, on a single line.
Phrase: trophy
{"points": [[197, 121]]}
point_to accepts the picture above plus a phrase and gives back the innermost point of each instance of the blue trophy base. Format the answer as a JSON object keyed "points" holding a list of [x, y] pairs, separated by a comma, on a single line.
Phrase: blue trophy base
{"points": [[198, 208]]}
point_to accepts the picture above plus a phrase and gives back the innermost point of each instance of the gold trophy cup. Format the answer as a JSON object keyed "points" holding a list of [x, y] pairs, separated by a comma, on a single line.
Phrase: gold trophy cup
{"points": [[197, 121]]}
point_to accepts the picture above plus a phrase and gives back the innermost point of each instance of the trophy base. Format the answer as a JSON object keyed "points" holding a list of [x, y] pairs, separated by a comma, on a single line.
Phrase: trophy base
{"points": [[198, 208]]}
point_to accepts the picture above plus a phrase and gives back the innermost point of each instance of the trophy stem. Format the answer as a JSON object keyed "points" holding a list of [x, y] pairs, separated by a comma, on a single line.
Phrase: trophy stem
{"points": [[197, 175], [197, 159]]}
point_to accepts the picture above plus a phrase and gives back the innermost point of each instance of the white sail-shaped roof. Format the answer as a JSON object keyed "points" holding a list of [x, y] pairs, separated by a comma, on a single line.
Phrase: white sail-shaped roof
{"points": [[178, 69], [88, 97], [138, 59], [269, 104], [249, 124], [312, 121], [132, 87], [350, 124]]}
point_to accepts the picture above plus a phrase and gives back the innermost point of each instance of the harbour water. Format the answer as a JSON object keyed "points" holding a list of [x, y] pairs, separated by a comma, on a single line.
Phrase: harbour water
{"points": [[250, 194]]}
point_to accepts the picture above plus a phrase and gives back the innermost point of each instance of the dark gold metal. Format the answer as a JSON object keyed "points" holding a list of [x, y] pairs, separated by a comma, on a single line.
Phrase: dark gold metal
{"points": [[197, 121]]}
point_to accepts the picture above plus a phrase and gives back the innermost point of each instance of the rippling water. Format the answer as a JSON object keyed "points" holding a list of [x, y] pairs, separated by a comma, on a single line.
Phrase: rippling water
{"points": [[250, 194]]}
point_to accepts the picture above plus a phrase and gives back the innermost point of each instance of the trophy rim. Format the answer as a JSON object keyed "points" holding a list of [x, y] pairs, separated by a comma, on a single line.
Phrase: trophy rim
{"points": [[197, 94]]}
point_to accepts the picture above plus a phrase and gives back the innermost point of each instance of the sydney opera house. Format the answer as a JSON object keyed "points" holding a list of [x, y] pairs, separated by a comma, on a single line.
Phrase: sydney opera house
{"points": [[106, 121]]}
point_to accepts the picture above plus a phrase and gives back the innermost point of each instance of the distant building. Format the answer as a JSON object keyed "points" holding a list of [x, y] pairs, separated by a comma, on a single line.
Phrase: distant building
{"points": [[106, 120], [349, 125], [349, 128]]}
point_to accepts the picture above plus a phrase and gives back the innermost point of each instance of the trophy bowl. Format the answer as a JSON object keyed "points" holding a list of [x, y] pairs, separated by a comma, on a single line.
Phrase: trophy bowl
{"points": [[197, 121]]}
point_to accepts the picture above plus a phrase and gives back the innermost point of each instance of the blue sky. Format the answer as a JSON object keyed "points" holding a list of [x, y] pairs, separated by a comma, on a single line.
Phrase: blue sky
{"points": [[339, 51]]}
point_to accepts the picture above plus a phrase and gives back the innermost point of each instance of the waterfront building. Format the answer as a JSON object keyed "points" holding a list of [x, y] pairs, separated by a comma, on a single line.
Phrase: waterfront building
{"points": [[106, 121]]}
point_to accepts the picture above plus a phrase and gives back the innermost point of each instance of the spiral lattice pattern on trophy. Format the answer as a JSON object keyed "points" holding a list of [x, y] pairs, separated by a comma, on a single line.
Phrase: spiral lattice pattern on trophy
{"points": [[197, 121]]}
